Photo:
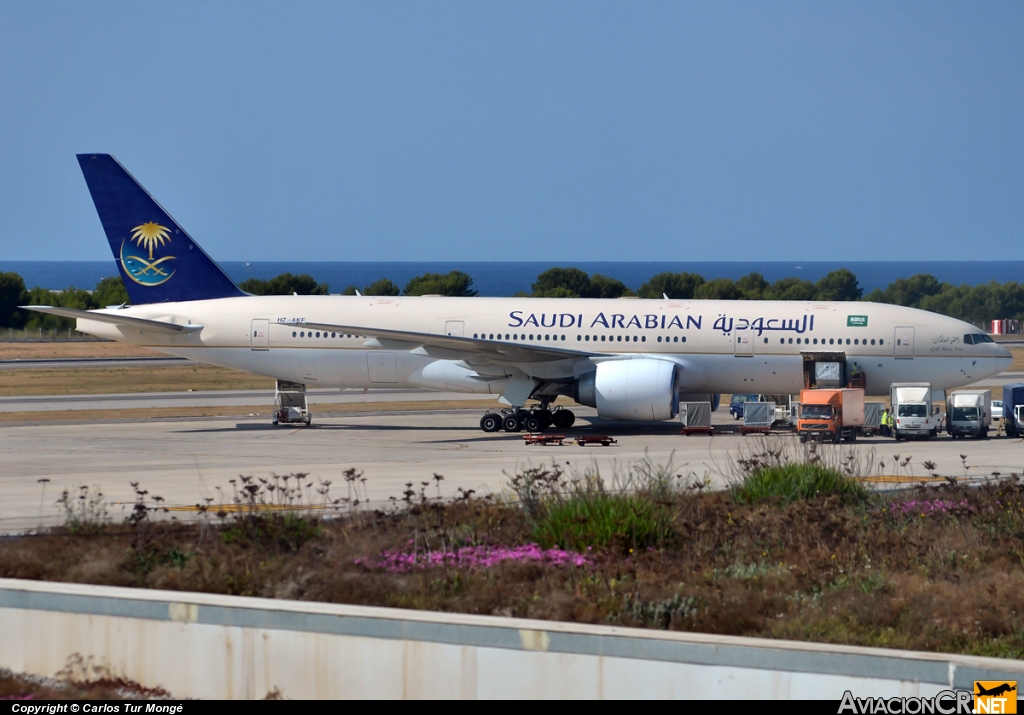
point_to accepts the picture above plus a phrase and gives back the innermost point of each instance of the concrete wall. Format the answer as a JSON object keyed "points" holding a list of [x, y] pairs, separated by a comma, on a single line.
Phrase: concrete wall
{"points": [[207, 646]]}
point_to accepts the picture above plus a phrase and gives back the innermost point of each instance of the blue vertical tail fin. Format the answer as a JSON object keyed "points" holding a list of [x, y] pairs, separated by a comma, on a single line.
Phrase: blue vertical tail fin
{"points": [[158, 260]]}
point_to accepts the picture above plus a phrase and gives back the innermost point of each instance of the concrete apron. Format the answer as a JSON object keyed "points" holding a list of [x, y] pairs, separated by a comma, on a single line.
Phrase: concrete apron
{"points": [[210, 646]]}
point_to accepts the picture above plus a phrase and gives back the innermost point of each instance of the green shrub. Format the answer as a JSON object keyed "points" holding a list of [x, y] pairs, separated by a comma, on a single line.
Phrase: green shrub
{"points": [[793, 482], [602, 520], [286, 532]]}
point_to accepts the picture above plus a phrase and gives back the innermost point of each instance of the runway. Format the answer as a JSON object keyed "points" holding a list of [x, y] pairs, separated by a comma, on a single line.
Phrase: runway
{"points": [[188, 460]]}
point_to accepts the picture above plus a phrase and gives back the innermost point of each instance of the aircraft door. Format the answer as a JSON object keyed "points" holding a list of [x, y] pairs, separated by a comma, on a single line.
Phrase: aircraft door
{"points": [[903, 343], [743, 344], [259, 338], [455, 327]]}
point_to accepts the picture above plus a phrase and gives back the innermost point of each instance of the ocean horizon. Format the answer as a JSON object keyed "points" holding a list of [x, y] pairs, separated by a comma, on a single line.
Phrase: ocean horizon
{"points": [[500, 278]]}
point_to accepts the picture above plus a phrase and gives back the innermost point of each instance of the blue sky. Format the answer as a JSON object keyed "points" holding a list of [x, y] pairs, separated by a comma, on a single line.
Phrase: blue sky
{"points": [[522, 131]]}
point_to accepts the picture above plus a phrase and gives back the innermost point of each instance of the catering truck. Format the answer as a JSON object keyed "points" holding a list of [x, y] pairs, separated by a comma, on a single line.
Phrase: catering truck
{"points": [[1013, 408], [832, 415], [968, 412], [912, 411]]}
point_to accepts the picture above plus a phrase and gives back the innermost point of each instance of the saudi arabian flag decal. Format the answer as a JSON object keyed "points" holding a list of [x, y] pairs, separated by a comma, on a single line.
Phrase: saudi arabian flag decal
{"points": [[856, 321]]}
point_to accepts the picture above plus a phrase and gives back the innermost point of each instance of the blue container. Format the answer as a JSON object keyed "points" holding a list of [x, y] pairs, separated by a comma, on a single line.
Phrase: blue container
{"points": [[1013, 395]]}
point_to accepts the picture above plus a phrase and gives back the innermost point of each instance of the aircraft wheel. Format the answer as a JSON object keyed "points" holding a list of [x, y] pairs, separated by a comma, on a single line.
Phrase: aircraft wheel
{"points": [[490, 422], [512, 423], [563, 419], [534, 423]]}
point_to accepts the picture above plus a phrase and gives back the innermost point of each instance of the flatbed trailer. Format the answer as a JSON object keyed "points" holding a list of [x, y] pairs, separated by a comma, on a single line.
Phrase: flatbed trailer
{"points": [[603, 440], [544, 439]]}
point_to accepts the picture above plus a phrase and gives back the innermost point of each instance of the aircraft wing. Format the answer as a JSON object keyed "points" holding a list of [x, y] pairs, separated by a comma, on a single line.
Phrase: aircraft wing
{"points": [[114, 319], [466, 347]]}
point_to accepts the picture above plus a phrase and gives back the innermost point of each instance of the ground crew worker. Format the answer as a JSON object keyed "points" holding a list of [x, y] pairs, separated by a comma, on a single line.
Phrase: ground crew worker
{"points": [[886, 423]]}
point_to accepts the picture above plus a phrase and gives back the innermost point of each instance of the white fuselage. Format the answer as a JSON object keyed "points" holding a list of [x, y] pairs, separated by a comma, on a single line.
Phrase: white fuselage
{"points": [[720, 346]]}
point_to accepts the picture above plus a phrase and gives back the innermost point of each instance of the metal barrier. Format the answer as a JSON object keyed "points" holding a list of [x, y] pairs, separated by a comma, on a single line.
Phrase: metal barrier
{"points": [[210, 646]]}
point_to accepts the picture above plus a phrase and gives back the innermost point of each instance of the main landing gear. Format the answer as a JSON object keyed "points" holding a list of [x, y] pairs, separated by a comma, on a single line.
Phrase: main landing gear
{"points": [[537, 419]]}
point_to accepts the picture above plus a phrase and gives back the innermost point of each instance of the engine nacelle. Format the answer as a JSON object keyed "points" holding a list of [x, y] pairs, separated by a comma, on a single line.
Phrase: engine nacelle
{"points": [[641, 389]]}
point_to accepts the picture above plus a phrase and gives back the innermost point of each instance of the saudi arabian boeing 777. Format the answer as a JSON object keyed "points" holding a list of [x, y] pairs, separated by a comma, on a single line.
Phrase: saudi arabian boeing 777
{"points": [[630, 359]]}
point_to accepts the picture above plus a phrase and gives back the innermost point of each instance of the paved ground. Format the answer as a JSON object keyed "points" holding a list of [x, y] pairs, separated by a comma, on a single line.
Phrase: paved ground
{"points": [[265, 398], [185, 460], [215, 398]]}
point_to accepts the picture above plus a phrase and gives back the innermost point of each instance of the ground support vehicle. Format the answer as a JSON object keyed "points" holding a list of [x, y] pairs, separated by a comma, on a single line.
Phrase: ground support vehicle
{"points": [[603, 440], [535, 419], [997, 410], [737, 402], [872, 419], [290, 404], [758, 417], [968, 412], [913, 412], [1013, 417], [830, 414], [544, 439], [696, 418]]}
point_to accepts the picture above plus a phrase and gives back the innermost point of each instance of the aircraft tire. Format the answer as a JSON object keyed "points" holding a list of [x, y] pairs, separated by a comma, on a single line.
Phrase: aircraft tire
{"points": [[534, 423], [563, 419], [512, 423], [490, 422]]}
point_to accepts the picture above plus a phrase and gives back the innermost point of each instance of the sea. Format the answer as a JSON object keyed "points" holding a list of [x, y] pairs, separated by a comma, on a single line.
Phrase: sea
{"points": [[506, 278]]}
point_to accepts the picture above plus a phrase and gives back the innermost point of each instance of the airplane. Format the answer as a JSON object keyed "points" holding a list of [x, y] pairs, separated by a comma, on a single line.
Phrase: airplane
{"points": [[631, 359], [996, 691]]}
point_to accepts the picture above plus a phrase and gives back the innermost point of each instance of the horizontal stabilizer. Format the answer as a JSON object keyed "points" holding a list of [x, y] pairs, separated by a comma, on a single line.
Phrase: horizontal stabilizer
{"points": [[113, 318]]}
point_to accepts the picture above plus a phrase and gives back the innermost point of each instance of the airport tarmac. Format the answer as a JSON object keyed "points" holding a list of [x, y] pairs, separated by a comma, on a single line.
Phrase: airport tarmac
{"points": [[186, 460], [265, 398], [219, 398]]}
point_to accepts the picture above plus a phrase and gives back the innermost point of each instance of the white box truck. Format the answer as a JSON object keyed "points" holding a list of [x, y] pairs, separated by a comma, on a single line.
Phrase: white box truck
{"points": [[968, 412], [912, 410]]}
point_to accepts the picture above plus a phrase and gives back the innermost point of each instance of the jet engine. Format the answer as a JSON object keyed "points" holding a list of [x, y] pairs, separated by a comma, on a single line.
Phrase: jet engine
{"points": [[641, 389]]}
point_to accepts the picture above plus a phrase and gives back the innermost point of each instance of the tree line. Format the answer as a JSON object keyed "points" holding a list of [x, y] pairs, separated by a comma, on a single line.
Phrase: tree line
{"points": [[454, 283], [975, 304], [109, 291]]}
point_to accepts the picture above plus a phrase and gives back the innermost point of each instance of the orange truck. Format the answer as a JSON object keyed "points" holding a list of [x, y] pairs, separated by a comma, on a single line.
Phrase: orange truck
{"points": [[830, 414]]}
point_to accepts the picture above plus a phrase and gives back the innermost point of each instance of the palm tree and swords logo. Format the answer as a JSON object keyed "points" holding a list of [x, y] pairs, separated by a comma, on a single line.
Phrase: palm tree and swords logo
{"points": [[154, 271]]}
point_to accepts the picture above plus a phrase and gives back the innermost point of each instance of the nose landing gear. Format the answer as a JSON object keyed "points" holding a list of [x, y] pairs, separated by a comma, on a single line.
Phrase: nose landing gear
{"points": [[533, 420]]}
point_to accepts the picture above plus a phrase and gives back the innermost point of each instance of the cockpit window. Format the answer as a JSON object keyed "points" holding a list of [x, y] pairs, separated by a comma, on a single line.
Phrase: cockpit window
{"points": [[977, 339]]}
